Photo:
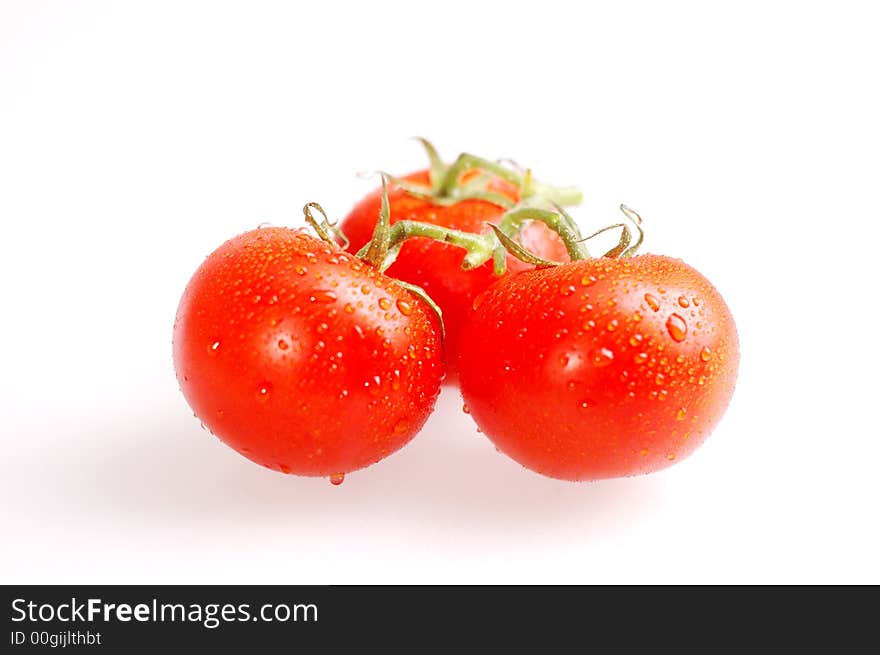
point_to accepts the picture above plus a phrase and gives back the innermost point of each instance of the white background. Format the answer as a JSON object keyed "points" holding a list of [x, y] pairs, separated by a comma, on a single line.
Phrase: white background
{"points": [[135, 138]]}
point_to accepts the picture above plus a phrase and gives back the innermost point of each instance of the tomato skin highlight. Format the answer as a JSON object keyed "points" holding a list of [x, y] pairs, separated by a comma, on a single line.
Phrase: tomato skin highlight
{"points": [[599, 368], [435, 266], [303, 358]]}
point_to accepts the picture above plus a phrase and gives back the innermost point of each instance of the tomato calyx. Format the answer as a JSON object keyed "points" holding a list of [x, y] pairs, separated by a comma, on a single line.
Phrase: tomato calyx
{"points": [[378, 252], [326, 230], [494, 245], [470, 177]]}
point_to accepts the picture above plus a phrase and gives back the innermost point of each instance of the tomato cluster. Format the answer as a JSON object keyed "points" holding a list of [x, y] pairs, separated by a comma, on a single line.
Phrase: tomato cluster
{"points": [[320, 355]]}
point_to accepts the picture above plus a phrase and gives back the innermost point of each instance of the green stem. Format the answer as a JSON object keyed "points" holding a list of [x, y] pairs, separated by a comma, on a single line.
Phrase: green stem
{"points": [[529, 187], [511, 222], [480, 247]]}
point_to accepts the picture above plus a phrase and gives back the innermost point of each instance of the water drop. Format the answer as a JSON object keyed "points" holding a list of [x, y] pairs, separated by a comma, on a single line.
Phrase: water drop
{"points": [[585, 404], [478, 301], [602, 357], [683, 302], [349, 308], [301, 270], [640, 358], [670, 456], [681, 414], [284, 468], [365, 289], [212, 349], [321, 328], [404, 307], [676, 327], [635, 339], [567, 290], [588, 280], [337, 479], [264, 391], [652, 301], [466, 409], [322, 296], [612, 325], [401, 426], [282, 344], [705, 354], [384, 303], [637, 317]]}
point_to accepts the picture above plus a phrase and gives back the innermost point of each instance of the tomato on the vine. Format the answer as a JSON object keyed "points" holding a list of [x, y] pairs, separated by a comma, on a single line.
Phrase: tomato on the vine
{"points": [[435, 266], [600, 367], [302, 357]]}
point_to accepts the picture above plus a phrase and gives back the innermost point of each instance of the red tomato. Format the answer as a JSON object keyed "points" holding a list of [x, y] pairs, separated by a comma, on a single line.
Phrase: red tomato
{"points": [[601, 367], [303, 358], [436, 266]]}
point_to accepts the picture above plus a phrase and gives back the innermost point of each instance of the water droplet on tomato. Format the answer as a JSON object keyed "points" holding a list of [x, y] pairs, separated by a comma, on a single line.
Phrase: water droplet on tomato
{"points": [[337, 479], [301, 270], [585, 404], [282, 344], [588, 280], [404, 307], [602, 357], [683, 302], [321, 328], [659, 378], [264, 391], [612, 325], [349, 308], [212, 349], [466, 409], [705, 354], [401, 426], [670, 456], [652, 301], [384, 303], [567, 290], [635, 339], [365, 289], [681, 414], [640, 358], [637, 317], [478, 301], [284, 468], [322, 296], [676, 327]]}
